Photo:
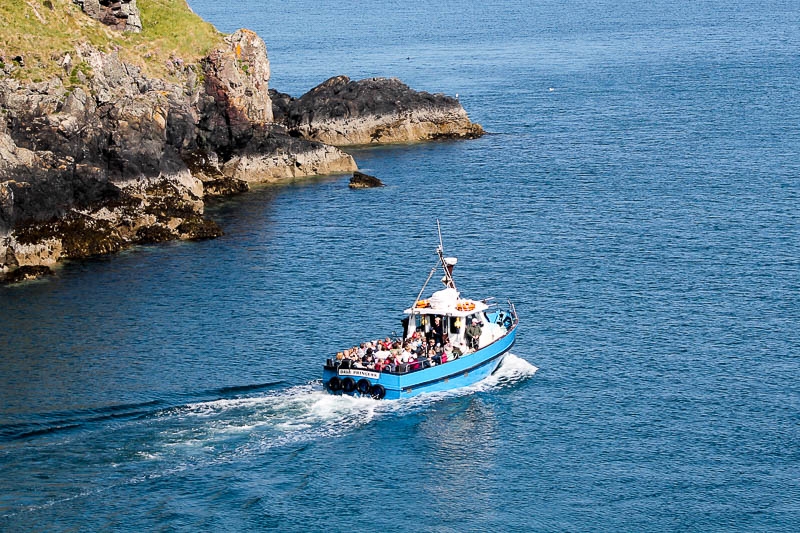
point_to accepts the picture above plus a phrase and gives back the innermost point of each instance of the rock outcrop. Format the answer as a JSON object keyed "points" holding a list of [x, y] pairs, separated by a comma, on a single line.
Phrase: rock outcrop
{"points": [[342, 112], [119, 14], [237, 78]]}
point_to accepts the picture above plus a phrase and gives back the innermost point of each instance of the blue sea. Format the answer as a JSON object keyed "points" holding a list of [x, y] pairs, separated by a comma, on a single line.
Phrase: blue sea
{"points": [[637, 197]]}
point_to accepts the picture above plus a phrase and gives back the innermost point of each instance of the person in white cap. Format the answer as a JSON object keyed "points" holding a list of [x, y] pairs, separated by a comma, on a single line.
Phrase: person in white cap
{"points": [[473, 334]]}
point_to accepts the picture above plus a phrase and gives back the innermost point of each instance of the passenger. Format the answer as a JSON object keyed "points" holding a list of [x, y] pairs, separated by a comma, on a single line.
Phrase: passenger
{"points": [[457, 352], [473, 334], [405, 354], [414, 344], [431, 353], [437, 330], [447, 351], [438, 348], [416, 336], [367, 360], [381, 353]]}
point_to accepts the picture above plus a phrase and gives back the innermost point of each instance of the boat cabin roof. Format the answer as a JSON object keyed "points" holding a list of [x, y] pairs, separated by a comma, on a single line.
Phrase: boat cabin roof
{"points": [[446, 302]]}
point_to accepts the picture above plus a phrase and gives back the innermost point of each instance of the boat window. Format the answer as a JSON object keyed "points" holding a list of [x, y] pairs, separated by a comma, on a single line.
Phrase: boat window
{"points": [[454, 324]]}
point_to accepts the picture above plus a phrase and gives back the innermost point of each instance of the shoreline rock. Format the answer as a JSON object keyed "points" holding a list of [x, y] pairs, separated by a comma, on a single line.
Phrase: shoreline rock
{"points": [[26, 273]]}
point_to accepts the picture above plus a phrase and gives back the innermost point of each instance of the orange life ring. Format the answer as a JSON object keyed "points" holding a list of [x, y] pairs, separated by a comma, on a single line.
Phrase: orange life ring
{"points": [[465, 306], [423, 303]]}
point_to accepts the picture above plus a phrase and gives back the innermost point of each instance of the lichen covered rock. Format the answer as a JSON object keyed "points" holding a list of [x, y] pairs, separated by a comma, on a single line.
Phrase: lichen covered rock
{"points": [[121, 15]]}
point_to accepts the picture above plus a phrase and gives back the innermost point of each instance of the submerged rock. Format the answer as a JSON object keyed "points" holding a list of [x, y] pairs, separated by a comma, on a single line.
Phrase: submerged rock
{"points": [[364, 181], [342, 112], [26, 273]]}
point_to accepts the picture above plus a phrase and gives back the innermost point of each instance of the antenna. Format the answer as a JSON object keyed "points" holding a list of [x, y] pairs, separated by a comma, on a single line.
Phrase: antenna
{"points": [[439, 229], [447, 262]]}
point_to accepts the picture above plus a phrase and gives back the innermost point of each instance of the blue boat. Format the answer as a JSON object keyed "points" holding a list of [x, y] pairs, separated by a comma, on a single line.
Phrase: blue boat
{"points": [[464, 342]]}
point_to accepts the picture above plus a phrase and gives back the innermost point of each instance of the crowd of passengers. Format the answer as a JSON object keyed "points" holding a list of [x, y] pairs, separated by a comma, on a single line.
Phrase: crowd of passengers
{"points": [[389, 355]]}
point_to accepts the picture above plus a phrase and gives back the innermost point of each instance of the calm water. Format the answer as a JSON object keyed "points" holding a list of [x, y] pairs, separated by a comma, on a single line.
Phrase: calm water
{"points": [[638, 198]]}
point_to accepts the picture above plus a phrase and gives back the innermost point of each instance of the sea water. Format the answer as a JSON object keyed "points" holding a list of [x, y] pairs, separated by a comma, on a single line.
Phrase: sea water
{"points": [[637, 196]]}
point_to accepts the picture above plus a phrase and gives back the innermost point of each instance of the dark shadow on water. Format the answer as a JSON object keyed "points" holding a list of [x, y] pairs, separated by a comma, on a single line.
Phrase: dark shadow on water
{"points": [[58, 422]]}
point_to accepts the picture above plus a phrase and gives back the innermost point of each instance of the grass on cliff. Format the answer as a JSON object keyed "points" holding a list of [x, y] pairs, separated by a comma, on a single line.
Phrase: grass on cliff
{"points": [[43, 31]]}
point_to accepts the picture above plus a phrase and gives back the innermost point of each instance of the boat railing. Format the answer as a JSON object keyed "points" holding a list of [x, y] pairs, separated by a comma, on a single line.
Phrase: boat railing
{"points": [[401, 368]]}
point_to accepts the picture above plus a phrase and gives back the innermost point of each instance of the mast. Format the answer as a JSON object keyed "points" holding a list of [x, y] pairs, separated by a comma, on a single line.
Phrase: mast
{"points": [[447, 265], [447, 262]]}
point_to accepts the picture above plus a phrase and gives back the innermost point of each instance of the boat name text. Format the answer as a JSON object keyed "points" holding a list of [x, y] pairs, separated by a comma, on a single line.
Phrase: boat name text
{"points": [[360, 373]]}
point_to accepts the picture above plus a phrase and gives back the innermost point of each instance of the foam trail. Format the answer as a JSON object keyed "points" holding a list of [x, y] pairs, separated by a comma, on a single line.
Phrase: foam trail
{"points": [[208, 433], [243, 426]]}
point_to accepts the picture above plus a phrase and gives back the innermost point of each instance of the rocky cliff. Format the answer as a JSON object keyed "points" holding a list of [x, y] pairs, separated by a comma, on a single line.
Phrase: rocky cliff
{"points": [[119, 158], [105, 155]]}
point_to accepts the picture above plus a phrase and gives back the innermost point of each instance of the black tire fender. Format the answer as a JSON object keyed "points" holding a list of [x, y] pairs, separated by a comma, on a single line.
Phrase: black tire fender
{"points": [[335, 383], [348, 384], [378, 391], [363, 386]]}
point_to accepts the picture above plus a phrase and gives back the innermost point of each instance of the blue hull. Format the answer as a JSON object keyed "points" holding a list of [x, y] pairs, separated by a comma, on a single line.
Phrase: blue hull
{"points": [[464, 371]]}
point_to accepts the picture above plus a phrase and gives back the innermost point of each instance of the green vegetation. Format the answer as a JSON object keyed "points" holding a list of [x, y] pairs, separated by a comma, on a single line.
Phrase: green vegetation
{"points": [[42, 32], [82, 67]]}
